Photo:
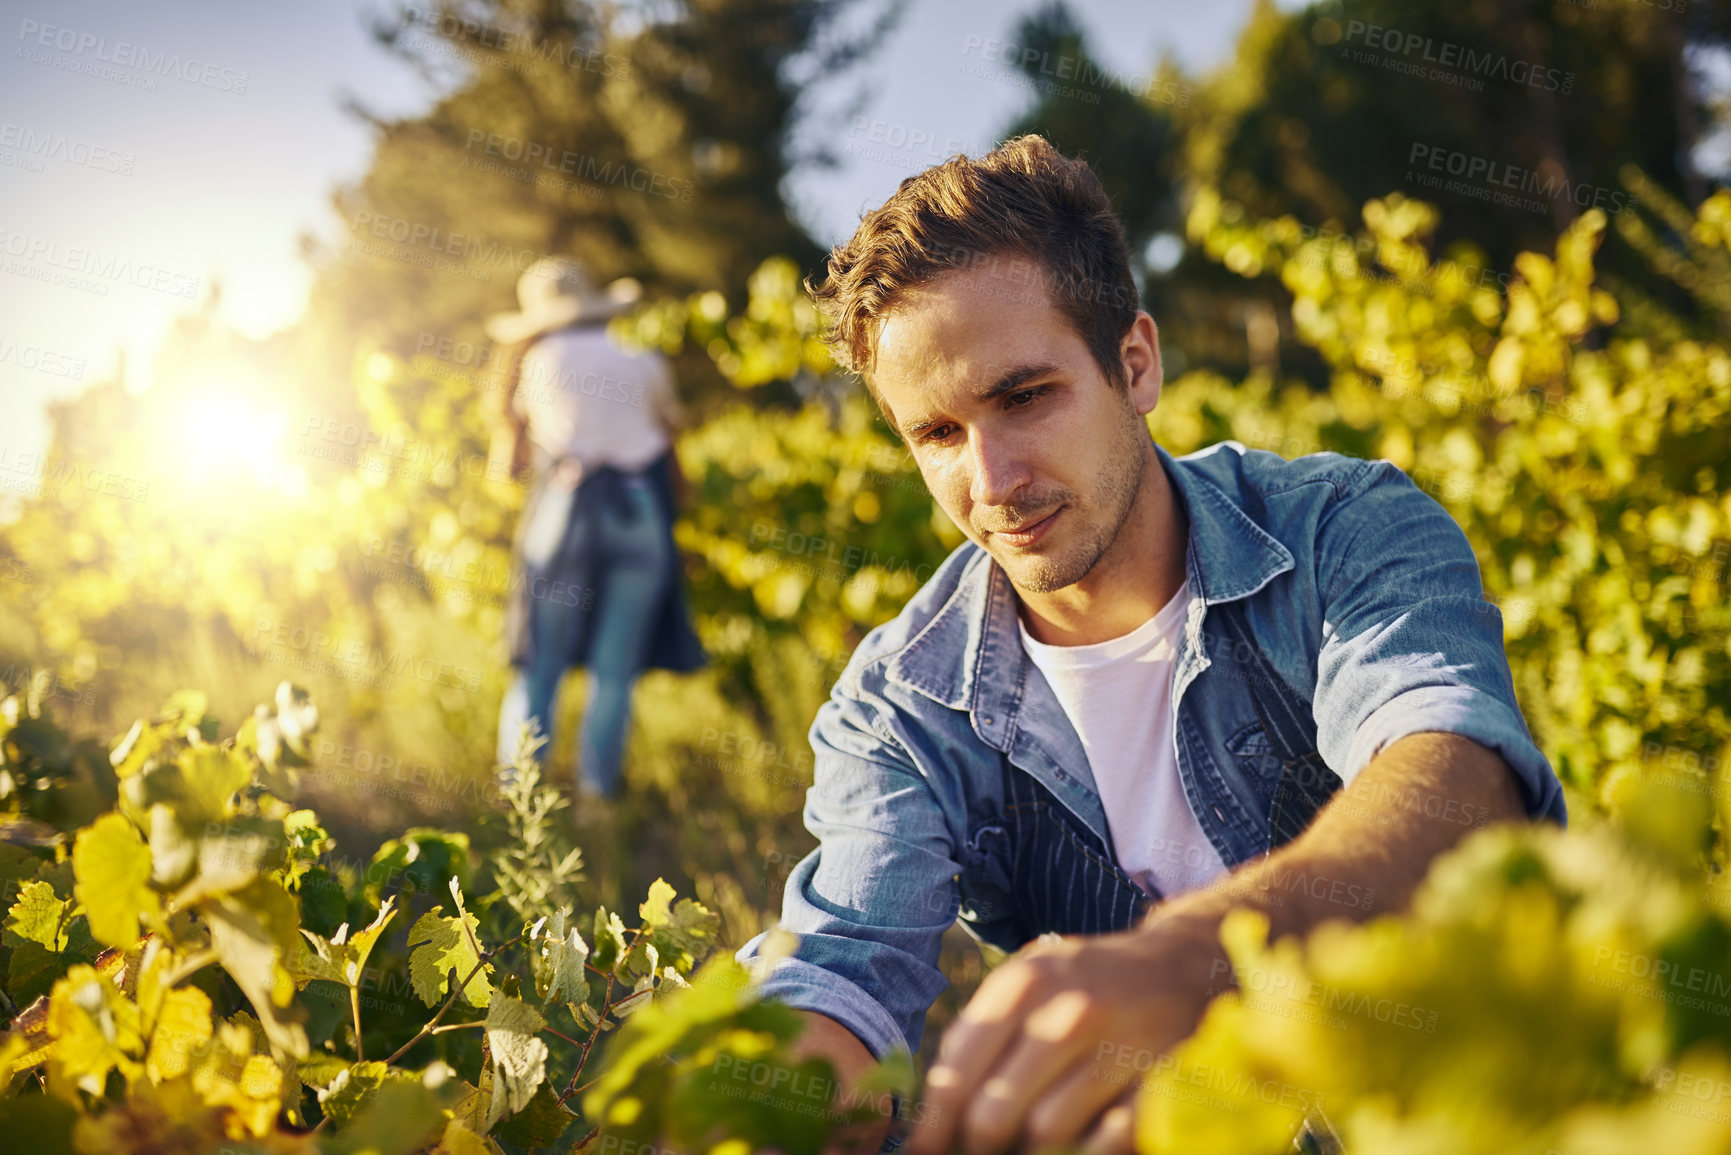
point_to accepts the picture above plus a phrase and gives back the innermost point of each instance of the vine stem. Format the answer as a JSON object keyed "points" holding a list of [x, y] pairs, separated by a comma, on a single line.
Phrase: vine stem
{"points": [[433, 1022], [355, 1007], [606, 1009], [480, 1023], [562, 1035]]}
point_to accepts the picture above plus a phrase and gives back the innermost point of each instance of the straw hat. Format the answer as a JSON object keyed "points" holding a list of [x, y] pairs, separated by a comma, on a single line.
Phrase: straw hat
{"points": [[556, 292]]}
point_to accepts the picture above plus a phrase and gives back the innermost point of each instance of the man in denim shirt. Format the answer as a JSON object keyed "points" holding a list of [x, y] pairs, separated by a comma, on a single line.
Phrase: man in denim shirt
{"points": [[1330, 705]]}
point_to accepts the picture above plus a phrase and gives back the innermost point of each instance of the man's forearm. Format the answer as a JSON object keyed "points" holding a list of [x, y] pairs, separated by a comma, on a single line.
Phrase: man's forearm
{"points": [[826, 1038], [1372, 844]]}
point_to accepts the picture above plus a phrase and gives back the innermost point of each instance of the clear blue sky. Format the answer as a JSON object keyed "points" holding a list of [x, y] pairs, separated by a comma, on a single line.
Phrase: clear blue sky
{"points": [[203, 176]]}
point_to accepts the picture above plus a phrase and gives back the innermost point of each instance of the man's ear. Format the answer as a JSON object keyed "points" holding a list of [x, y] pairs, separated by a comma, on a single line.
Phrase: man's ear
{"points": [[1140, 352]]}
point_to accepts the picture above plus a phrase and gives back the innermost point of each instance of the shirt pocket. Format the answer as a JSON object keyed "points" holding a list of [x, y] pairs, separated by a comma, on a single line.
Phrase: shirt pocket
{"points": [[1255, 757], [987, 893]]}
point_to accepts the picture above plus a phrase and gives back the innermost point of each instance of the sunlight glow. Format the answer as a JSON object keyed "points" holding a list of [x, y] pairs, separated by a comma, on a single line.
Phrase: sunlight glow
{"points": [[226, 434]]}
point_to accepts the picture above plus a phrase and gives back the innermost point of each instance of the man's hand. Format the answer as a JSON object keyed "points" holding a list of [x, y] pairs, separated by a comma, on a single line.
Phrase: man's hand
{"points": [[1032, 1059], [1031, 1062], [825, 1038]]}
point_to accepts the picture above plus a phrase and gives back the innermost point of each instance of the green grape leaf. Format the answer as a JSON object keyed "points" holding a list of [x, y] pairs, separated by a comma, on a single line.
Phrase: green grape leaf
{"points": [[95, 1030], [320, 1068], [423, 860], [180, 1035], [560, 975], [399, 1117], [210, 776], [519, 1056], [39, 916], [307, 841], [233, 853], [667, 1080], [315, 959], [327, 1006], [459, 1140], [609, 938], [112, 864], [173, 855], [685, 932], [185, 708], [139, 749], [355, 1087], [471, 1108], [324, 904], [639, 997], [340, 958], [541, 1124], [361, 943], [254, 933], [17, 863], [439, 945], [31, 972], [60, 875]]}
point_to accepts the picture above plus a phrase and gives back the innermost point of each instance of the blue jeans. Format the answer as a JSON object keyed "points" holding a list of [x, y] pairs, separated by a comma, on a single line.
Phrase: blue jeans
{"points": [[633, 546]]}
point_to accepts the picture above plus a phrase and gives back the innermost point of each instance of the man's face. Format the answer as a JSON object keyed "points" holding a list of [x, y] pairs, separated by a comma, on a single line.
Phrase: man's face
{"points": [[1021, 439]]}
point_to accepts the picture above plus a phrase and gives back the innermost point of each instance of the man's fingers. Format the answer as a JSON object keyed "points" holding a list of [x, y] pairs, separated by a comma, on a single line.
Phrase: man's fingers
{"points": [[1021, 1082], [1058, 1038], [987, 1027], [1116, 1132], [954, 1081], [1073, 1105]]}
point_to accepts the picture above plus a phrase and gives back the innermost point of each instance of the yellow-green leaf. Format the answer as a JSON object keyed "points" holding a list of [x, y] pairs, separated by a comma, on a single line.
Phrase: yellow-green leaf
{"points": [[254, 933], [685, 930], [560, 976], [112, 865], [519, 1055], [39, 916], [438, 945], [182, 1033]]}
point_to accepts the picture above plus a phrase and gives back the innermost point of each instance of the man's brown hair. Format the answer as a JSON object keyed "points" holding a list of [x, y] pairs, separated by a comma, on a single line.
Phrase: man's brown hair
{"points": [[1022, 199]]}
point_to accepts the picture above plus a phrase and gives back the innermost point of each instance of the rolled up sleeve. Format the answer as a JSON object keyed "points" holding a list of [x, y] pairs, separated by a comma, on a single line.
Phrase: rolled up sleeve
{"points": [[870, 905], [1411, 645]]}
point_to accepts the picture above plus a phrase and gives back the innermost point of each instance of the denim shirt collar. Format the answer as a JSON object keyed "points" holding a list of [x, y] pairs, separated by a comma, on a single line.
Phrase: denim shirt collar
{"points": [[970, 656]]}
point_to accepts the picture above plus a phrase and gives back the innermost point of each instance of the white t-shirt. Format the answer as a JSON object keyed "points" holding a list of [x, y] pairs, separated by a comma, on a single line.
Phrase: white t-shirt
{"points": [[587, 398], [1118, 696]]}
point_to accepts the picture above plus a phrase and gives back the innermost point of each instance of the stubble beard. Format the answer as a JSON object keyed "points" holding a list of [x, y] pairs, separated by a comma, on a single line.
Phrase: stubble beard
{"points": [[1117, 489]]}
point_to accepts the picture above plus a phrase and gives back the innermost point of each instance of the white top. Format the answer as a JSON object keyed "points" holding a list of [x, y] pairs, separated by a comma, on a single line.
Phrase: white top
{"points": [[1118, 696], [585, 397]]}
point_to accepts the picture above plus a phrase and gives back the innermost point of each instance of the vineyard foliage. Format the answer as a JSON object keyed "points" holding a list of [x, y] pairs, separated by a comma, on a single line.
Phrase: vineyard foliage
{"points": [[1548, 991], [1576, 430], [174, 982]]}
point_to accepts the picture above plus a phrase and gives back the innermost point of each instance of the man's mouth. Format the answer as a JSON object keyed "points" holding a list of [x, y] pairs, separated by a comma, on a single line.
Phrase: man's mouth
{"points": [[1028, 534]]}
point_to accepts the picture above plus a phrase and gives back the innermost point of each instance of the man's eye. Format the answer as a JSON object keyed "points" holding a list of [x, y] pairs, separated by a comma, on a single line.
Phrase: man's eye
{"points": [[937, 433], [1025, 398]]}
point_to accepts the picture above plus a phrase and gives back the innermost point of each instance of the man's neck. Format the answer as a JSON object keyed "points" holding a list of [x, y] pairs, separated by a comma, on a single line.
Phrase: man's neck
{"points": [[1140, 572]]}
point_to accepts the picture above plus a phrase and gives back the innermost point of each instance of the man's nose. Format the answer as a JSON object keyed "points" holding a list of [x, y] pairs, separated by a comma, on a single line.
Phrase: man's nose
{"points": [[998, 469]]}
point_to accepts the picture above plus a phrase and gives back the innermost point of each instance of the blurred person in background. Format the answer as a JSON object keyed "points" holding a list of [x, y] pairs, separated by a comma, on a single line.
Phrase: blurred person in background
{"points": [[595, 575]]}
